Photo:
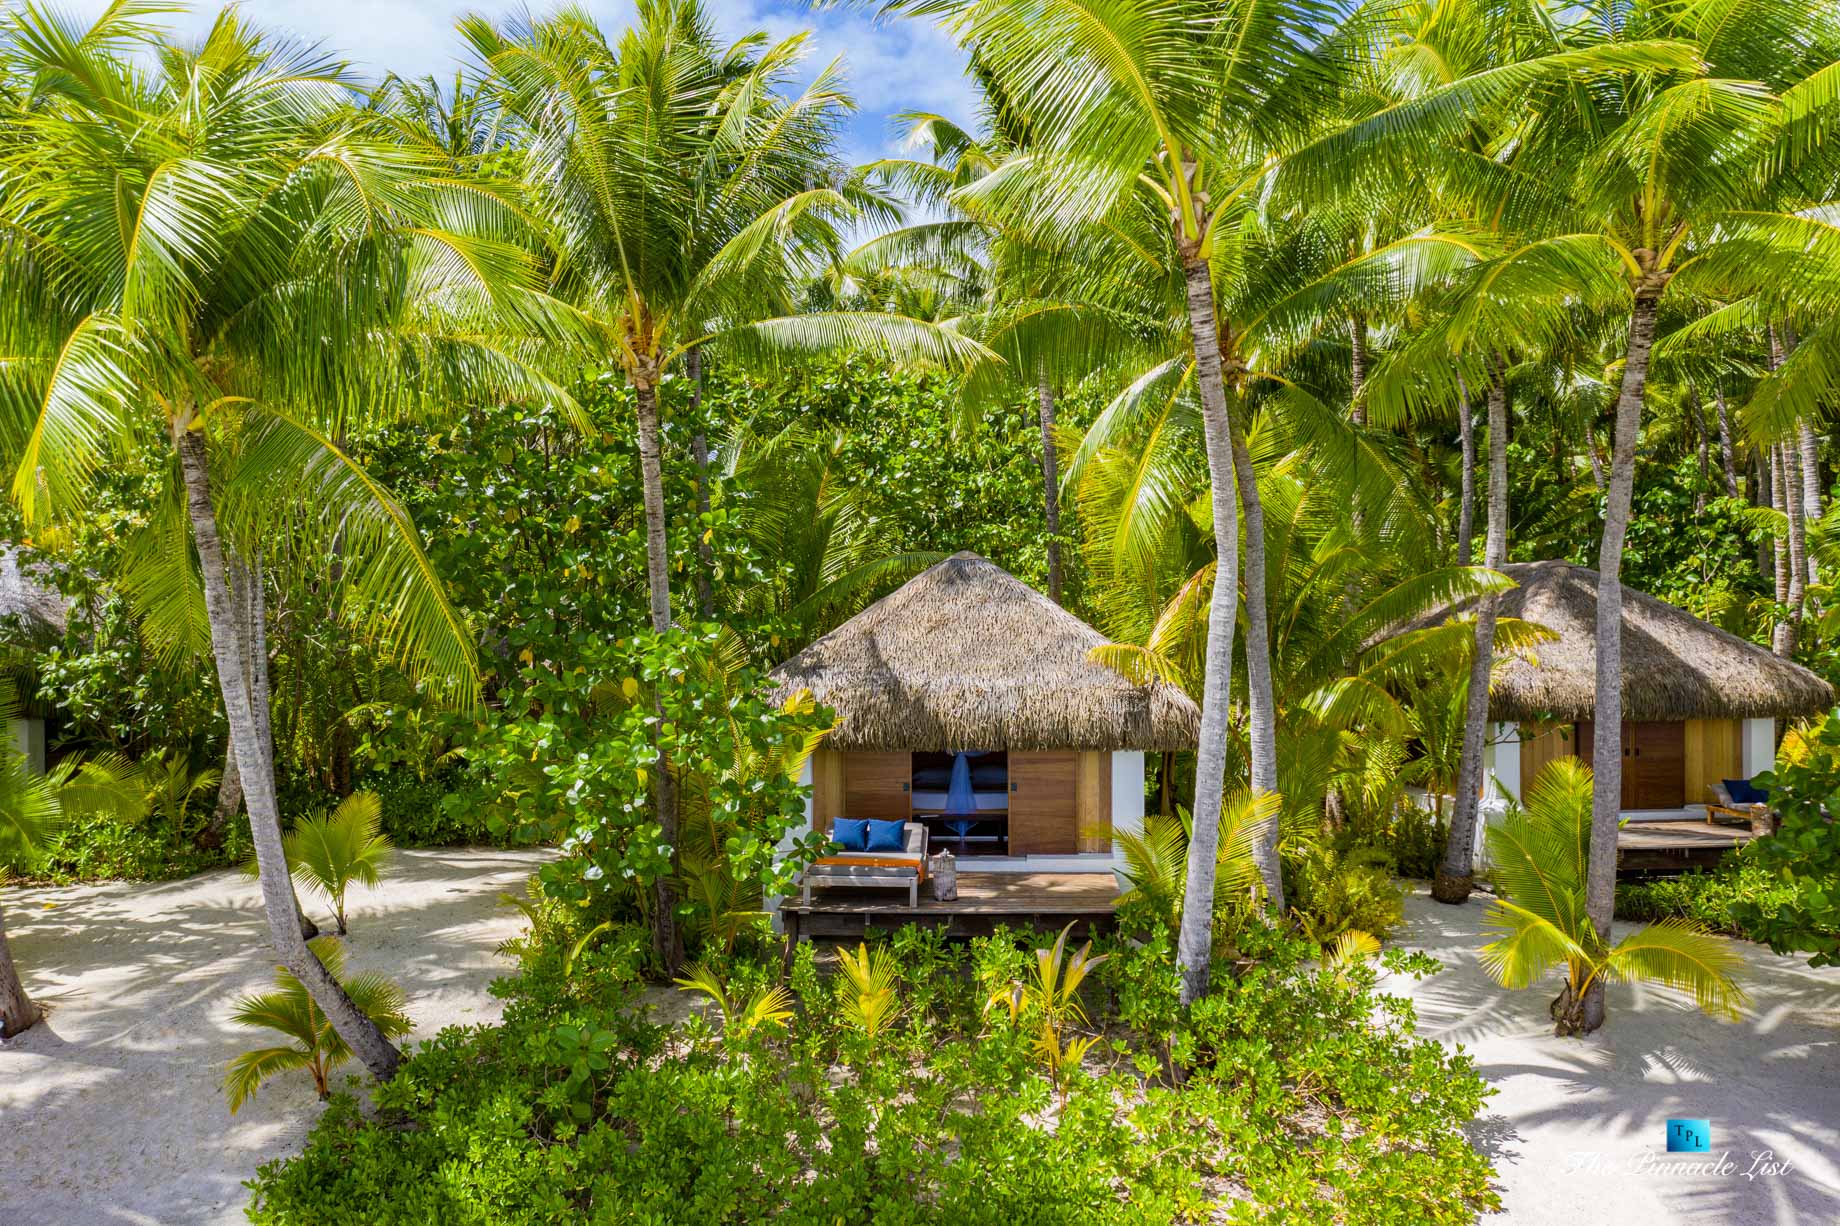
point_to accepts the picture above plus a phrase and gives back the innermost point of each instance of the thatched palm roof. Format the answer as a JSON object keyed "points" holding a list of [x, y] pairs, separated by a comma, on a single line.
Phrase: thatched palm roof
{"points": [[1675, 666], [967, 656], [30, 607]]}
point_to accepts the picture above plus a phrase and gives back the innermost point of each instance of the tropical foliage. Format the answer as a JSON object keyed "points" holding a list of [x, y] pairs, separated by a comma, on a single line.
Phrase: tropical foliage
{"points": [[1541, 858], [330, 852], [889, 1073], [313, 1043]]}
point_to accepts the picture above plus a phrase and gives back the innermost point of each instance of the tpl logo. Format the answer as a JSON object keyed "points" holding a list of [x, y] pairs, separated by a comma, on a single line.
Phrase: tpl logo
{"points": [[1689, 1136]]}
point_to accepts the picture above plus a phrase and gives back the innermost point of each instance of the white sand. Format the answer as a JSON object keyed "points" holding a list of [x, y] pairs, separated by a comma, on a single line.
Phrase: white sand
{"points": [[1769, 1082], [111, 1110]]}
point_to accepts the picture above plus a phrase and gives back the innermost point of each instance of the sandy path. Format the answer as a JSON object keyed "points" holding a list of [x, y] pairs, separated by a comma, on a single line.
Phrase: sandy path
{"points": [[111, 1112], [1771, 1081]]}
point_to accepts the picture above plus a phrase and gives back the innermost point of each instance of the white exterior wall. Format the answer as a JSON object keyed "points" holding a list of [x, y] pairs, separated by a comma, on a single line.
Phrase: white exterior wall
{"points": [[792, 836], [27, 736], [1127, 795], [1757, 746], [1501, 783]]}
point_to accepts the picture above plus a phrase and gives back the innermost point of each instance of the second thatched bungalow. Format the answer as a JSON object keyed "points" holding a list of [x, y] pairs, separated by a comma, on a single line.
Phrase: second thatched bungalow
{"points": [[970, 705], [32, 613], [1700, 705]]}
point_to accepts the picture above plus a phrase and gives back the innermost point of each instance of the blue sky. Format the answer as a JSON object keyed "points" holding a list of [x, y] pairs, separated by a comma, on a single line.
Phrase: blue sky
{"points": [[890, 66]]}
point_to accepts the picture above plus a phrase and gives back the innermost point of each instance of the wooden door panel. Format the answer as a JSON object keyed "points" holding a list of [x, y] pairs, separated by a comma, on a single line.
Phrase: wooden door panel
{"points": [[1654, 762], [1044, 812], [1654, 765], [878, 785]]}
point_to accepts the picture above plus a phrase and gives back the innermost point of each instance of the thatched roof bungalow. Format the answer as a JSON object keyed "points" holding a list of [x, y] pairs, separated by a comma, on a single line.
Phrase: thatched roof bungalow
{"points": [[970, 701], [31, 610], [966, 654], [1699, 704]]}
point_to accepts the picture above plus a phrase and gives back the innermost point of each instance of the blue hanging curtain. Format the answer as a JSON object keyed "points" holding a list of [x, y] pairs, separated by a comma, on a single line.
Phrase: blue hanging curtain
{"points": [[960, 801]]}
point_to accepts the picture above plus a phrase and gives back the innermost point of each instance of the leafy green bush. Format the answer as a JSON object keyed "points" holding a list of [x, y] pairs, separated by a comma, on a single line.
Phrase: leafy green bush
{"points": [[1293, 1094], [1410, 839], [1803, 856], [110, 846], [1706, 897], [1331, 892], [415, 813]]}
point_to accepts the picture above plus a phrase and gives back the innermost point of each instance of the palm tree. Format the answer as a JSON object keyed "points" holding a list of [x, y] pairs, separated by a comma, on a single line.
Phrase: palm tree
{"points": [[684, 201], [1052, 316], [1540, 856], [317, 1046], [1454, 876], [331, 851], [222, 251], [1153, 121]]}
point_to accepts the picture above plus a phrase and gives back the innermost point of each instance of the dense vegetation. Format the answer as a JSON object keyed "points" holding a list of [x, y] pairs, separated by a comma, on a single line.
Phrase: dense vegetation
{"points": [[902, 1087], [479, 448]]}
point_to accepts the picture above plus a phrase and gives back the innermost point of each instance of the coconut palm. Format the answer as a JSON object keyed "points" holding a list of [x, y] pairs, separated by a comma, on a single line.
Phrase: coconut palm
{"points": [[684, 201], [217, 250], [1161, 118], [329, 852], [1540, 855], [1054, 317], [316, 1044], [1156, 858]]}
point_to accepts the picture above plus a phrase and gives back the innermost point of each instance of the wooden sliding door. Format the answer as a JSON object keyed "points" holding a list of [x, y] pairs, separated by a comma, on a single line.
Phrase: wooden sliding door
{"points": [[878, 785], [1044, 817], [1654, 762]]}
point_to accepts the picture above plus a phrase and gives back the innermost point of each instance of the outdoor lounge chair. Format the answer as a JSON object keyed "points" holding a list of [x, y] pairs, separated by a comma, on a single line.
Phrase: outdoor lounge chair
{"points": [[904, 869], [1753, 813]]}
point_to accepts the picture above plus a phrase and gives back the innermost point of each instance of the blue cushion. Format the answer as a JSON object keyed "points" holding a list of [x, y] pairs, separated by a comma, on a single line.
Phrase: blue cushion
{"points": [[1744, 792], [851, 833], [886, 836]]}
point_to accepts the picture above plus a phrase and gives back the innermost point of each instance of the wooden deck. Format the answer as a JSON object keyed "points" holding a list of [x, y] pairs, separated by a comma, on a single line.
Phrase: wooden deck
{"points": [[1672, 847], [1046, 900]]}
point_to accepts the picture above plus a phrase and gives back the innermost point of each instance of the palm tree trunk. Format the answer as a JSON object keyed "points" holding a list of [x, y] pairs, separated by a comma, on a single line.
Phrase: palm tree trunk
{"points": [[17, 1012], [366, 1041], [1699, 443], [1455, 877], [1796, 587], [699, 452], [1726, 455], [1262, 706], [667, 940], [1779, 495], [1357, 367], [1810, 458], [1607, 742], [1195, 942], [1466, 507], [1761, 496], [1050, 480]]}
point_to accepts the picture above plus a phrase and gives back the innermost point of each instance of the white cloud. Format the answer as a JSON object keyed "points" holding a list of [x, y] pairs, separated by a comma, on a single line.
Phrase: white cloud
{"points": [[890, 66]]}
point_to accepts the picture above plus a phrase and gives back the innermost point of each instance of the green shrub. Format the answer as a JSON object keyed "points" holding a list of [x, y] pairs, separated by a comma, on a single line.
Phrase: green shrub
{"points": [[108, 846], [1331, 892], [1410, 839], [1706, 897], [1303, 1096], [414, 814]]}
